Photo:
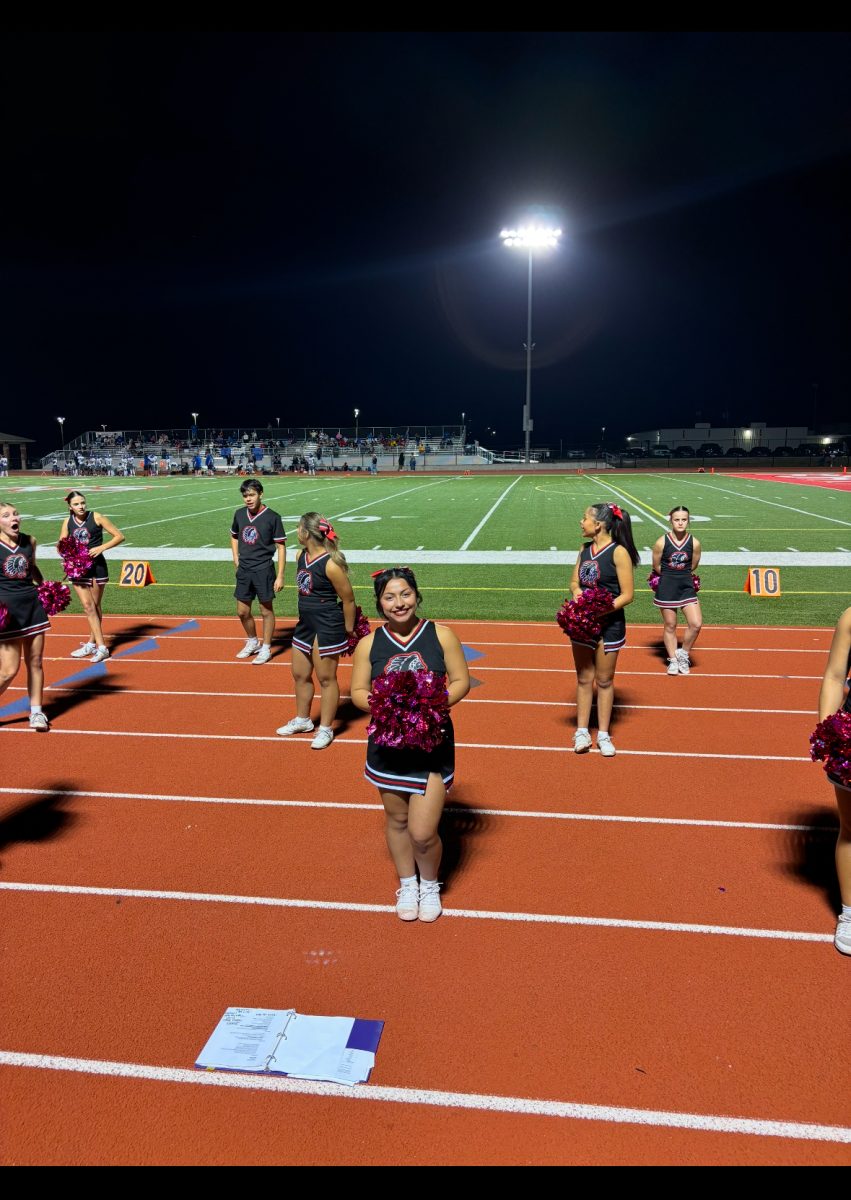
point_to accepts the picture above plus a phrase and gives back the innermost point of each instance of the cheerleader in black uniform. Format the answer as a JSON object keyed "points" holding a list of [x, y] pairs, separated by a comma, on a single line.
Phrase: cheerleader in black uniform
{"points": [[830, 699], [675, 557], [26, 621], [87, 527], [606, 561], [326, 617], [412, 783]]}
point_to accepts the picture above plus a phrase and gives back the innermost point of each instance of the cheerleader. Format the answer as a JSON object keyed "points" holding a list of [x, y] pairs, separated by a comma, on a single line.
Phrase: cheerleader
{"points": [[675, 558], [326, 618], [830, 699], [24, 620], [412, 783], [606, 560], [87, 528]]}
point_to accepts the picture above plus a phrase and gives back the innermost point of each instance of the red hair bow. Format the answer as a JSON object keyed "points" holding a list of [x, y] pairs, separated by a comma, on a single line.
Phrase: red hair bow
{"points": [[326, 529], [384, 570], [616, 511]]}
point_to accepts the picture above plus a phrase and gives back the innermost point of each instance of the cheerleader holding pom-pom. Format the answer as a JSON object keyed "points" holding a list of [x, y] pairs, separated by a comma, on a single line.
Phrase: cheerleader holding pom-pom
{"points": [[831, 744], [602, 585], [23, 618], [675, 558], [407, 675]]}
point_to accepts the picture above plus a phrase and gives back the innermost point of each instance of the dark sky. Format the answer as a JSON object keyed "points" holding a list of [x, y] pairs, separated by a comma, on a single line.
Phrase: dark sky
{"points": [[292, 225]]}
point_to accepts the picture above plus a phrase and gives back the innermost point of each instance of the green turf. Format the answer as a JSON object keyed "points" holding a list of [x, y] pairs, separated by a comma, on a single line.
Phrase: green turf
{"points": [[399, 513]]}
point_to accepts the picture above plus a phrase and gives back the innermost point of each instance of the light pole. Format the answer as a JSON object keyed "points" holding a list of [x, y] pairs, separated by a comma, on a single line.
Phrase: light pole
{"points": [[61, 421], [603, 441], [530, 237], [357, 414], [195, 424]]}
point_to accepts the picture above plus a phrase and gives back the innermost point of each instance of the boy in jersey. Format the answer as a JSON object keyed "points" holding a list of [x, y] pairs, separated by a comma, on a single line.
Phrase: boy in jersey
{"points": [[255, 532]]}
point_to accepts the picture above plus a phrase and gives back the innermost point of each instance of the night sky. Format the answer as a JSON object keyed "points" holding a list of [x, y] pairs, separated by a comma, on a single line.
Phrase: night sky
{"points": [[291, 225]]}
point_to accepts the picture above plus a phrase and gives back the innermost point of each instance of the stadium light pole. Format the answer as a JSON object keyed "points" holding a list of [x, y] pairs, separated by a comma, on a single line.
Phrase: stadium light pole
{"points": [[61, 421], [357, 415], [195, 424], [530, 237]]}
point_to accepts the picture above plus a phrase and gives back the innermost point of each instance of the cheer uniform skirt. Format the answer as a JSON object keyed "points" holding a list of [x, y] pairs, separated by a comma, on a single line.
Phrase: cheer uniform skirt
{"points": [[326, 626], [26, 615], [613, 634], [675, 590], [407, 770], [98, 573]]}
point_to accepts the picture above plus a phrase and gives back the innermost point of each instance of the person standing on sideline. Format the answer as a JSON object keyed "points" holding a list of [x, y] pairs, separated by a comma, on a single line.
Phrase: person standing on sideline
{"points": [[26, 621], [87, 529], [4, 465], [326, 618], [607, 560], [830, 701], [373, 467], [255, 532], [412, 783], [413, 463], [675, 558], [401, 460]]}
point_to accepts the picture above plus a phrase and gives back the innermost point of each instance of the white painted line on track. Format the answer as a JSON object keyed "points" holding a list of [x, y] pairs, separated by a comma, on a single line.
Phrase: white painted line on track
{"points": [[477, 1101]]}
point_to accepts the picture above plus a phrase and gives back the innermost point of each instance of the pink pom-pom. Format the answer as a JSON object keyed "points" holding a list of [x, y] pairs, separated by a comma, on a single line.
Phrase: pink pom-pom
{"points": [[653, 580], [696, 581], [76, 560], [409, 710], [4, 616], [54, 596], [581, 619], [361, 629], [830, 743]]}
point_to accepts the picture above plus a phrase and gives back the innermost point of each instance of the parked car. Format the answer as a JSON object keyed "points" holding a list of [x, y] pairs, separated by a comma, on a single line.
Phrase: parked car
{"points": [[808, 449], [577, 453], [759, 452], [683, 452], [660, 451], [710, 450], [784, 452]]}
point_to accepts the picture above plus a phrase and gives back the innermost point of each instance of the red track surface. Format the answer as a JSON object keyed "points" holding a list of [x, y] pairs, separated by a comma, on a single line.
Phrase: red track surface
{"points": [[538, 985]]}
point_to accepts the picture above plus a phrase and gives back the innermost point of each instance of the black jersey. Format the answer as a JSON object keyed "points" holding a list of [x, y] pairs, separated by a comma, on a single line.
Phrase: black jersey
{"points": [[314, 586], [421, 652], [677, 556], [257, 535], [597, 568], [676, 586], [87, 532], [16, 565]]}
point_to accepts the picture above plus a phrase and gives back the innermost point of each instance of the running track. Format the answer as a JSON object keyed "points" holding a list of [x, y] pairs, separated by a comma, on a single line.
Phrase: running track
{"points": [[635, 964]]}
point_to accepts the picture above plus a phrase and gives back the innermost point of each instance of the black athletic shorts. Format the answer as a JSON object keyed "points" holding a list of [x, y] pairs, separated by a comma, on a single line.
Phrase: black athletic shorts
{"points": [[255, 581]]}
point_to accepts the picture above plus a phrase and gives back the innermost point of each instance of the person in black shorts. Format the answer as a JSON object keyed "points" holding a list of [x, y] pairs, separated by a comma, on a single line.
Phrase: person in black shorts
{"points": [[255, 532], [87, 527], [412, 783], [675, 557], [24, 619], [830, 701], [326, 617], [607, 560]]}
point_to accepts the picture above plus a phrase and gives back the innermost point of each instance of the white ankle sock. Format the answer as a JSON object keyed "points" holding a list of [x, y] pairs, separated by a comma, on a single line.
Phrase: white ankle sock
{"points": [[35, 708]]}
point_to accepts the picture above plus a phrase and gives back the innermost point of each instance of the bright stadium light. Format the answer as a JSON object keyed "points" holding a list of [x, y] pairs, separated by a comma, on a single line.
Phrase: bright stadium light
{"points": [[357, 414], [530, 237], [61, 421]]}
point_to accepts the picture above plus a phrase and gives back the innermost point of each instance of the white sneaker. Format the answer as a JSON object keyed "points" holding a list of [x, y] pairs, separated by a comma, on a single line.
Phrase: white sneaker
{"points": [[581, 743], [323, 739], [263, 655], [40, 722], [296, 725], [85, 649], [606, 746], [430, 906], [250, 647], [673, 666], [842, 937], [100, 655], [408, 901], [683, 662]]}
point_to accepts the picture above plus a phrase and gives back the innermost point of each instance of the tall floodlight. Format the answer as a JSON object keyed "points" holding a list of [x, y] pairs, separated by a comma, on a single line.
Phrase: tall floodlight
{"points": [[530, 238], [357, 415], [61, 421]]}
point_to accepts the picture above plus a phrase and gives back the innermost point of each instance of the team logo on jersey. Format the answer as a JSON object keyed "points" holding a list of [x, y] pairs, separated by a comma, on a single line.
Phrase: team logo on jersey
{"points": [[250, 535], [15, 566], [678, 560], [412, 661], [82, 535], [589, 573], [304, 582]]}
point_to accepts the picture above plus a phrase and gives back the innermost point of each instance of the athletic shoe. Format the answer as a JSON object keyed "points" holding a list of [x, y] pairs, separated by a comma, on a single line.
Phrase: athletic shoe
{"points": [[673, 666], [683, 662], [430, 906], [323, 739], [100, 655], [842, 937], [408, 901], [263, 655], [581, 743], [40, 722], [296, 725], [85, 649], [250, 647], [606, 746]]}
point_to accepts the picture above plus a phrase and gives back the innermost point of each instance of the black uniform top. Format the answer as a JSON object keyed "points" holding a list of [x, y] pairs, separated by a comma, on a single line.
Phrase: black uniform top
{"points": [[421, 652], [16, 563], [257, 535], [677, 556], [597, 568], [87, 532], [314, 586]]}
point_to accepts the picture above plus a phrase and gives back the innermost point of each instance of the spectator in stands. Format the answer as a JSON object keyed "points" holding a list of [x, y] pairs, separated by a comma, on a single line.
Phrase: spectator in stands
{"points": [[210, 464]]}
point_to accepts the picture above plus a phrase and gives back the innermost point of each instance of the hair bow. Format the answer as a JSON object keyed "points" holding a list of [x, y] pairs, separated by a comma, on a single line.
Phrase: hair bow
{"points": [[616, 511], [384, 571], [326, 529]]}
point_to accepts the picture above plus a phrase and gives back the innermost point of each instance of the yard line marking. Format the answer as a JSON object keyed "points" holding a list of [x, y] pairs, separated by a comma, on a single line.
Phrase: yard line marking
{"points": [[605, 818], [490, 513], [643, 508], [762, 500], [486, 1102]]}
